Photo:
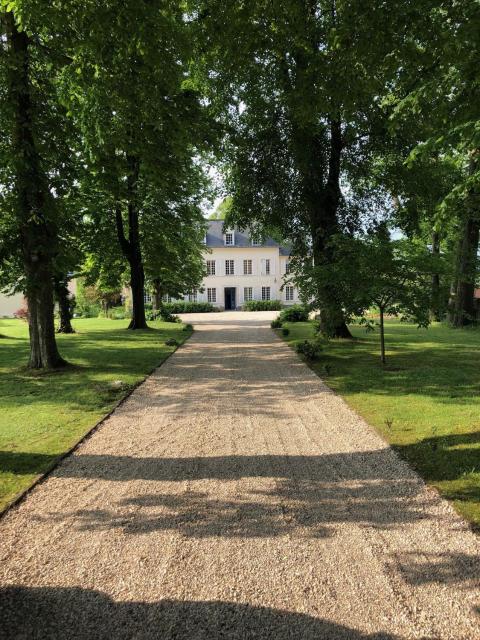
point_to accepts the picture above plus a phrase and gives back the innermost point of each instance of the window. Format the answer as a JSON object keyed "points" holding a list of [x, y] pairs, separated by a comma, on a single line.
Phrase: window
{"points": [[147, 297], [247, 267], [256, 242], [247, 294], [211, 295], [265, 293], [211, 267], [229, 267], [289, 293], [266, 267], [229, 240], [287, 267], [192, 296]]}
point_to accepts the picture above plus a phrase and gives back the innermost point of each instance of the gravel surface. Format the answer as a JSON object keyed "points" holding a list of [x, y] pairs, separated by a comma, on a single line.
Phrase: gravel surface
{"points": [[235, 496]]}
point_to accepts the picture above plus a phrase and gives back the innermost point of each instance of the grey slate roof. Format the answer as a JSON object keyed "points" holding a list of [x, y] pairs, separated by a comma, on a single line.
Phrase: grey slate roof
{"points": [[242, 238]]}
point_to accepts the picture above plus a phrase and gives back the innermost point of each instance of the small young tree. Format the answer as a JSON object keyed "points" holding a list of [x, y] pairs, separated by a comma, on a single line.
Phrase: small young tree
{"points": [[392, 275]]}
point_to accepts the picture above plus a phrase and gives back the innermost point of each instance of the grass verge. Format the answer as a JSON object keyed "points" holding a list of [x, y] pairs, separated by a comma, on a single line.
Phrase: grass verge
{"points": [[426, 402], [44, 415]]}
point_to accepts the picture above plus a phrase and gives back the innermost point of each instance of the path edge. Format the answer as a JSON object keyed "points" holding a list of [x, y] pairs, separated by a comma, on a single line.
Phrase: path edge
{"points": [[41, 477]]}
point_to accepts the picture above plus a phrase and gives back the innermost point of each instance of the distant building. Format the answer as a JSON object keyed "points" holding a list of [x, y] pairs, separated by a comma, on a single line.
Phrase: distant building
{"points": [[10, 304], [239, 269]]}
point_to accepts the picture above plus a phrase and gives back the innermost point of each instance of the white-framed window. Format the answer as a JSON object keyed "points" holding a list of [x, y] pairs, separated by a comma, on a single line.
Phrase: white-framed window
{"points": [[247, 268], [256, 242], [211, 295], [211, 267], [287, 267], [266, 266], [247, 294], [229, 267], [205, 238], [229, 239], [193, 296], [167, 298], [289, 293], [147, 297], [265, 293]]}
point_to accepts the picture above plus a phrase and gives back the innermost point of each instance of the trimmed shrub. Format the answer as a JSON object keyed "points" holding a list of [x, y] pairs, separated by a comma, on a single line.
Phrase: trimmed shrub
{"points": [[285, 331], [276, 324], [295, 313], [189, 307], [166, 316], [262, 305], [309, 349]]}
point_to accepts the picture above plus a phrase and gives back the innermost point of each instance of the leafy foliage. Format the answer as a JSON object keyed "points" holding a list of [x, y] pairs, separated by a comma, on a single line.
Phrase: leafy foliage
{"points": [[295, 313], [262, 305], [189, 307], [309, 349]]}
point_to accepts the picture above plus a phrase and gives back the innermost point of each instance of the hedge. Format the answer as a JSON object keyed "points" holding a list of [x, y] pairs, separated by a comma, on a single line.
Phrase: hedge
{"points": [[295, 313], [189, 307], [262, 305]]}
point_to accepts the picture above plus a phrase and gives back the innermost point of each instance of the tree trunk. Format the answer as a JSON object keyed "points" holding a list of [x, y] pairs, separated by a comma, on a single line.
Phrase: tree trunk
{"points": [[382, 337], [436, 304], [462, 303], [324, 227], [131, 247], [64, 302], [157, 295], [137, 281], [37, 232]]}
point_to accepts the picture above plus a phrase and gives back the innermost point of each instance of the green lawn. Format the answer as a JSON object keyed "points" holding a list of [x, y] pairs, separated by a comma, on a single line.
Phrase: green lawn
{"points": [[426, 402], [44, 415]]}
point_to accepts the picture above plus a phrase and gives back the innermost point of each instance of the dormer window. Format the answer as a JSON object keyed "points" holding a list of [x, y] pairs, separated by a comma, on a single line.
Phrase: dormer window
{"points": [[256, 242], [229, 239]]}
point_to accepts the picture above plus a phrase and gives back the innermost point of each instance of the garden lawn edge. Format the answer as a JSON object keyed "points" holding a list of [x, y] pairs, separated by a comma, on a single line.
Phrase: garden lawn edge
{"points": [[23, 493], [470, 525]]}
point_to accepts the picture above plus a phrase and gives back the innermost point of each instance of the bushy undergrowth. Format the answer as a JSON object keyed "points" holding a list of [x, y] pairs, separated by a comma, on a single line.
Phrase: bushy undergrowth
{"points": [[295, 313], [309, 349], [117, 313], [189, 307], [276, 323], [262, 305]]}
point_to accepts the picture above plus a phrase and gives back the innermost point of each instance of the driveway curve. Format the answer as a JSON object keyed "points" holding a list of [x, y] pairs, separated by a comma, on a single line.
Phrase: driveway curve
{"points": [[233, 495]]}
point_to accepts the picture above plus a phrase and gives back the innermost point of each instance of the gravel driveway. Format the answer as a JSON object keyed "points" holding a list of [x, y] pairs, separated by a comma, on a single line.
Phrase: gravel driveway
{"points": [[234, 496]]}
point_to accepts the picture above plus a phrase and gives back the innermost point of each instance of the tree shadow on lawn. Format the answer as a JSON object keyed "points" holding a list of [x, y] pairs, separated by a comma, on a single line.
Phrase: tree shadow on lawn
{"points": [[23, 463], [48, 613], [445, 457], [432, 375], [451, 459]]}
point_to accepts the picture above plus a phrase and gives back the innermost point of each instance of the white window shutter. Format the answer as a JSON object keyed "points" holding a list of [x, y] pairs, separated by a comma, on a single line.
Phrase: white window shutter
{"points": [[262, 266]]}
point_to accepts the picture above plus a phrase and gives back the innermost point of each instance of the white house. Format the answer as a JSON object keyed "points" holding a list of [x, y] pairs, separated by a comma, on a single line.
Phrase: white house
{"points": [[241, 269], [10, 304]]}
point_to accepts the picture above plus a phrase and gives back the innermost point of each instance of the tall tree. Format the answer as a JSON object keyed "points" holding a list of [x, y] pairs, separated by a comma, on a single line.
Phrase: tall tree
{"points": [[30, 217], [141, 119], [439, 79], [301, 82]]}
